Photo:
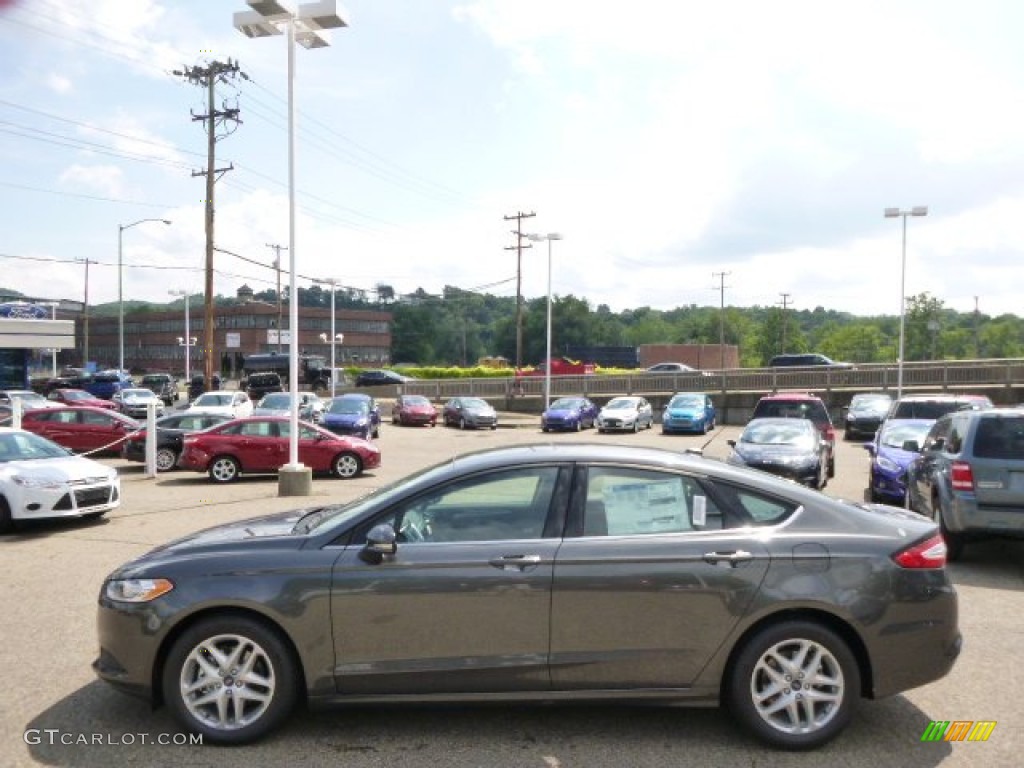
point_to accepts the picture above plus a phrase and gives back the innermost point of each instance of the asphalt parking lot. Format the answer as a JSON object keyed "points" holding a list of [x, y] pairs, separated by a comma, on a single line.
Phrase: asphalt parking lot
{"points": [[54, 711]]}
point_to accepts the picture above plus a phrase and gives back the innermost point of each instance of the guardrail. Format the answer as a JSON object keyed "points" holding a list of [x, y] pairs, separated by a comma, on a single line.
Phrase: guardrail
{"points": [[937, 376]]}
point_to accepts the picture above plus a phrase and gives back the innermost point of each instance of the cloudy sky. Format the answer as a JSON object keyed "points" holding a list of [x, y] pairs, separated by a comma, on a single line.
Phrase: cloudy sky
{"points": [[667, 141]]}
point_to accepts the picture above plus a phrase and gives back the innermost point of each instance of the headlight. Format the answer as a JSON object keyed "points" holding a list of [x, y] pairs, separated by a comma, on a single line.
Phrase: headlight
{"points": [[137, 590], [888, 464], [29, 481]]}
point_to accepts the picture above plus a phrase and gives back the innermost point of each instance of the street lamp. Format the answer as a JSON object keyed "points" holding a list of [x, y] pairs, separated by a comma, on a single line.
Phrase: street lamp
{"points": [[120, 286], [892, 213], [339, 337], [547, 365], [187, 341], [307, 24]]}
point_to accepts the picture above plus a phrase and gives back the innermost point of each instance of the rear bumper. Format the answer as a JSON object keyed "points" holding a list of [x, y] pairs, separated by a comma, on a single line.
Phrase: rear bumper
{"points": [[968, 517]]}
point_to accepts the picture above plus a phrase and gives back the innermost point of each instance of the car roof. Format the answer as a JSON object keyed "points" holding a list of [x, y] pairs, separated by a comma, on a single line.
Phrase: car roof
{"points": [[801, 396]]}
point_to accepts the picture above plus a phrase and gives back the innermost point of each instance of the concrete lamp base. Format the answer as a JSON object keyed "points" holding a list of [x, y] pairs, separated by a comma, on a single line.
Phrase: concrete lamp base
{"points": [[295, 480]]}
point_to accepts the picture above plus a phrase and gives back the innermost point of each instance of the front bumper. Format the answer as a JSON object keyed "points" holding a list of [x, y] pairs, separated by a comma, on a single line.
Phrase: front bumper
{"points": [[87, 497]]}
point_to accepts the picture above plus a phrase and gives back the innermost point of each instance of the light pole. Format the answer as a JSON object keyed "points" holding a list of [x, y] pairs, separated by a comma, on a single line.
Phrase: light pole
{"points": [[335, 337], [547, 364], [120, 286], [187, 341], [307, 25], [892, 213]]}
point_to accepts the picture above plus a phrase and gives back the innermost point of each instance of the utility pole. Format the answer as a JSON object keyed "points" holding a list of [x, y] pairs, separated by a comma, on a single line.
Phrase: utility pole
{"points": [[977, 335], [721, 312], [214, 119], [785, 304], [518, 248], [85, 315], [277, 268]]}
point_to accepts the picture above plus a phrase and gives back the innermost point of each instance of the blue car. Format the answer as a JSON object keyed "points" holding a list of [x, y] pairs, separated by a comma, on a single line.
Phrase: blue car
{"points": [[352, 414], [688, 412], [897, 443], [569, 413]]}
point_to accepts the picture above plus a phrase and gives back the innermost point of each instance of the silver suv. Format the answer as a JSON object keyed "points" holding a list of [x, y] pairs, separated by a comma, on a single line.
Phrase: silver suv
{"points": [[970, 476]]}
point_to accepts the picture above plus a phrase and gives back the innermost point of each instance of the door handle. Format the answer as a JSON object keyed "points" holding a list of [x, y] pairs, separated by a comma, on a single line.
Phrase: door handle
{"points": [[516, 562], [733, 558]]}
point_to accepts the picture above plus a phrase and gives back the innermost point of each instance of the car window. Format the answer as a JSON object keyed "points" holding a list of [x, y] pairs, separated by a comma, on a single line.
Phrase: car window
{"points": [[506, 505], [259, 429], [88, 417], [938, 435], [756, 507], [1000, 438], [627, 502]]}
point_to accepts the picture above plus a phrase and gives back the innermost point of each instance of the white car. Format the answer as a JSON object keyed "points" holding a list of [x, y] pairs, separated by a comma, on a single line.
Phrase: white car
{"points": [[40, 479], [27, 398], [237, 405], [625, 414], [134, 402]]}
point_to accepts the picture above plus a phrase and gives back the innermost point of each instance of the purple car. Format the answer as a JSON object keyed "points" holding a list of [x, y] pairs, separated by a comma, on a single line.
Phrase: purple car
{"points": [[897, 443], [572, 413]]}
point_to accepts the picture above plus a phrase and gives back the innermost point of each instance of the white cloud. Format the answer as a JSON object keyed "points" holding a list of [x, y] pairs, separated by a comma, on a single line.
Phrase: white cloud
{"points": [[106, 179]]}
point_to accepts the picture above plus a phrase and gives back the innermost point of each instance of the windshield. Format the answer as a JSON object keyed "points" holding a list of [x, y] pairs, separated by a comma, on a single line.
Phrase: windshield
{"points": [[279, 401], [19, 446], [870, 403], [566, 403], [343, 405], [416, 400], [687, 401], [622, 405], [779, 433], [474, 402], [214, 398], [895, 434]]}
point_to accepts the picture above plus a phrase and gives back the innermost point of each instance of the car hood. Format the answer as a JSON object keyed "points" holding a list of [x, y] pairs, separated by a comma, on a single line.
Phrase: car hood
{"points": [[273, 411], [687, 412], [224, 410], [755, 452], [345, 418], [418, 409], [59, 469], [898, 455]]}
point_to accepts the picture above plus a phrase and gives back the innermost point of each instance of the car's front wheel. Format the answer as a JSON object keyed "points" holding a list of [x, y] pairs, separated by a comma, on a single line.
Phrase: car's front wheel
{"points": [[794, 685], [224, 469], [347, 465], [231, 679]]}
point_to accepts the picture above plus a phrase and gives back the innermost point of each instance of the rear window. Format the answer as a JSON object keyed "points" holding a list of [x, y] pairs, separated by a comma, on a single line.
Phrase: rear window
{"points": [[926, 409], [792, 409], [1000, 438]]}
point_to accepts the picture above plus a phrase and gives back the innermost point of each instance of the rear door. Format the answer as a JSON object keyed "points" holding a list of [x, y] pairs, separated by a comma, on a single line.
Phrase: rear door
{"points": [[653, 583]]}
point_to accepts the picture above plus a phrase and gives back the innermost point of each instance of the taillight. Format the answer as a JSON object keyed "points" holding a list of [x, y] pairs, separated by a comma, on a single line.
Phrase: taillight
{"points": [[962, 476], [930, 553], [830, 434]]}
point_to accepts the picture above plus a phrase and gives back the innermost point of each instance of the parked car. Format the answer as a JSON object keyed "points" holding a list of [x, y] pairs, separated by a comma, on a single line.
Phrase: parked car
{"points": [[469, 413], [625, 414], [262, 445], [790, 448], [262, 383], [5, 416], [163, 385], [79, 397], [311, 407], [809, 359], [527, 560], [932, 406], [27, 398], [688, 412], [801, 405], [897, 443], [413, 410], [81, 428], [865, 413], [572, 413], [134, 402], [103, 384], [237, 405], [378, 378], [197, 385], [170, 431], [40, 479], [352, 414], [671, 368], [970, 476]]}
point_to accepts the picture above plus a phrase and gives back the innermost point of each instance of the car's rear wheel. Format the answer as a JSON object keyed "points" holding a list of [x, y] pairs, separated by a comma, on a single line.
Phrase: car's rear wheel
{"points": [[579, 425], [347, 465], [954, 541], [224, 469], [794, 685], [6, 523], [231, 679], [462, 423], [166, 459]]}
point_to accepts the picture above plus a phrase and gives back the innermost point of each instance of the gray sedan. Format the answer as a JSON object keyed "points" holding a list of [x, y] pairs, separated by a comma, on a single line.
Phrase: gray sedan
{"points": [[542, 572]]}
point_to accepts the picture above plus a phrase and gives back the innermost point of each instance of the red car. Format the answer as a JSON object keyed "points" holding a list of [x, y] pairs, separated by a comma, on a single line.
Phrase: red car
{"points": [[80, 397], [81, 428], [261, 444], [413, 409]]}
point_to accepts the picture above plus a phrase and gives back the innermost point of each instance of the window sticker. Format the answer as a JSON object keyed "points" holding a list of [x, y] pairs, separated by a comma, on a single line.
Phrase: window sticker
{"points": [[633, 508], [700, 510]]}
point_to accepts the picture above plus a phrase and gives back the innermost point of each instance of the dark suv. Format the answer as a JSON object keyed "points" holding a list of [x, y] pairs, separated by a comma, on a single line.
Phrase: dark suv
{"points": [[970, 476], [801, 405], [262, 383], [805, 359], [163, 385]]}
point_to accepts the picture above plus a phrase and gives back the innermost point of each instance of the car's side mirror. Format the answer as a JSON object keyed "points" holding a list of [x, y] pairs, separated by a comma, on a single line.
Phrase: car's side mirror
{"points": [[911, 445], [731, 443], [380, 541], [869, 447]]}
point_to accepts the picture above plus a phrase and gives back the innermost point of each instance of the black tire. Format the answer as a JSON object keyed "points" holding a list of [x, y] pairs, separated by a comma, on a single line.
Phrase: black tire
{"points": [[757, 665], [954, 541], [462, 423], [271, 669], [579, 425], [166, 459], [224, 469], [832, 466], [6, 523], [347, 465], [376, 431], [544, 429], [636, 426]]}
